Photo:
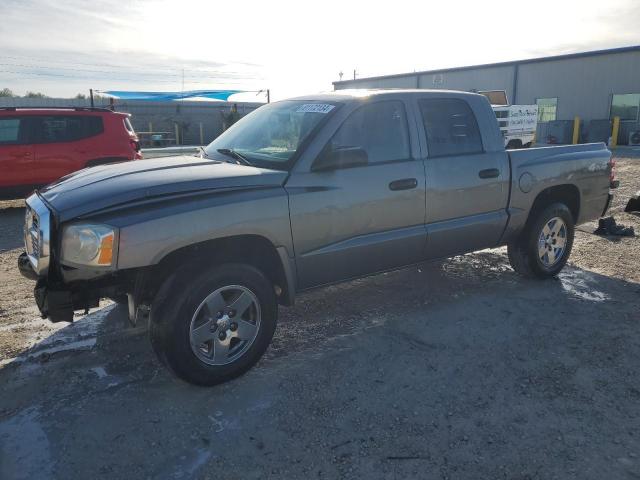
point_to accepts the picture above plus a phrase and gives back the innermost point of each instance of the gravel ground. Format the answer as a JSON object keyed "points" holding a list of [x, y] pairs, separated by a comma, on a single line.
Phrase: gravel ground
{"points": [[463, 370]]}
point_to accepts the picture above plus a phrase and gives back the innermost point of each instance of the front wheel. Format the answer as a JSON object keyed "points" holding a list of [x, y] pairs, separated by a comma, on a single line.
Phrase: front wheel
{"points": [[543, 248], [216, 326]]}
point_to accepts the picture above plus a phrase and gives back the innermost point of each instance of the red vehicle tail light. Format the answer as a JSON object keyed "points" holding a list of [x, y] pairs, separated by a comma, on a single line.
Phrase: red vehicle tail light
{"points": [[135, 144]]}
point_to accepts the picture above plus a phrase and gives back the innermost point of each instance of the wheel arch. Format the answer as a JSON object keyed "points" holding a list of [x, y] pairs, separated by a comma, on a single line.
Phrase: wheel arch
{"points": [[254, 250], [567, 194]]}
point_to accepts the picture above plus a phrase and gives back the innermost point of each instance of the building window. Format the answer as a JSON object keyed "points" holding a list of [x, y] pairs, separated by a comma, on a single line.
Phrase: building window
{"points": [[547, 108], [625, 106]]}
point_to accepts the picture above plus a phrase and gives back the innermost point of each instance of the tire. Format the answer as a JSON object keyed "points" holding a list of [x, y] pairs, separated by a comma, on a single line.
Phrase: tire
{"points": [[526, 253], [204, 347]]}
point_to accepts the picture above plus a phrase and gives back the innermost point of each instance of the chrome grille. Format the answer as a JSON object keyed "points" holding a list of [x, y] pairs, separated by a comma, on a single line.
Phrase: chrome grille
{"points": [[36, 234], [35, 246]]}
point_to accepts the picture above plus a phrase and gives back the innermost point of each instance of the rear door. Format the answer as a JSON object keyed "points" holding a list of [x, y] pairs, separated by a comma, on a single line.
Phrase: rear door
{"points": [[467, 187], [16, 155], [349, 222], [64, 144]]}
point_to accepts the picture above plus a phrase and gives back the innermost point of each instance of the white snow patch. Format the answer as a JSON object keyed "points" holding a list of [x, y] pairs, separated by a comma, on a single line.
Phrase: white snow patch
{"points": [[100, 372], [79, 335], [581, 284]]}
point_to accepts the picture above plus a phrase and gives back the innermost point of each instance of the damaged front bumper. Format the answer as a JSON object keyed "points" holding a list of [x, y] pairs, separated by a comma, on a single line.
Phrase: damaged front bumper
{"points": [[58, 304], [54, 302], [25, 267]]}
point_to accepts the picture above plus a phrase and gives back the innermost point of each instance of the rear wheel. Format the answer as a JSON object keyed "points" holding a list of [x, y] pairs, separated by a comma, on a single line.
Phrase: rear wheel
{"points": [[543, 248], [216, 326]]}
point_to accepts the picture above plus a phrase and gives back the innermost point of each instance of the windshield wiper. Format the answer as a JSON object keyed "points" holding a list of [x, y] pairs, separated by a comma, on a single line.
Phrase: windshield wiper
{"points": [[203, 153], [233, 154]]}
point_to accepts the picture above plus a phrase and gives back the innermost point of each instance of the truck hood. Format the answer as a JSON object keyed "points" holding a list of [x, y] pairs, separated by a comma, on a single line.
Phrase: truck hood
{"points": [[98, 188]]}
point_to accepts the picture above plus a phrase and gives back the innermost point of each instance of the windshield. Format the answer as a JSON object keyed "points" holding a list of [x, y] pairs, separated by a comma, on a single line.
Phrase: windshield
{"points": [[270, 136]]}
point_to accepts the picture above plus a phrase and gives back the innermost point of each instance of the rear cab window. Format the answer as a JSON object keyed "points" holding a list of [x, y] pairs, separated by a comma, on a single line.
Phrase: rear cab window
{"points": [[450, 126]]}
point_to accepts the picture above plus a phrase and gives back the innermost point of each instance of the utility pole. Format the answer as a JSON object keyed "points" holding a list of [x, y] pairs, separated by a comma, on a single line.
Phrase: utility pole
{"points": [[91, 96], [182, 96], [354, 73], [268, 96]]}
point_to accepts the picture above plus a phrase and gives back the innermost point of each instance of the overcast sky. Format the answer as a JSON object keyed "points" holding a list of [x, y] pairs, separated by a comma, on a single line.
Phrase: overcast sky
{"points": [[62, 47]]}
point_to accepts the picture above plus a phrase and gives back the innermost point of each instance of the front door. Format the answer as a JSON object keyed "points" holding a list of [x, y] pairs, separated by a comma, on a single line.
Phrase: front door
{"points": [[467, 187], [366, 216]]}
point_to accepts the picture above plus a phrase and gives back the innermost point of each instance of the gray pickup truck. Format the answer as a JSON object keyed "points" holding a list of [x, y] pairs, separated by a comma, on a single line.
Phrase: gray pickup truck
{"points": [[299, 194]]}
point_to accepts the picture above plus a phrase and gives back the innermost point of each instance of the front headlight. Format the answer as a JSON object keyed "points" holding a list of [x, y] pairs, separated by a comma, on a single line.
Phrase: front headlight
{"points": [[89, 244]]}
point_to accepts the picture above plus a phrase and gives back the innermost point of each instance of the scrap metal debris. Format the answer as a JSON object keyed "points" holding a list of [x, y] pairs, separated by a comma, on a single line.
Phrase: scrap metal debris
{"points": [[633, 205], [608, 226]]}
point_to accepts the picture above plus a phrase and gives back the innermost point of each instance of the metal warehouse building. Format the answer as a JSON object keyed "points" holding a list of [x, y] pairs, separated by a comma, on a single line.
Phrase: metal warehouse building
{"points": [[594, 86]]}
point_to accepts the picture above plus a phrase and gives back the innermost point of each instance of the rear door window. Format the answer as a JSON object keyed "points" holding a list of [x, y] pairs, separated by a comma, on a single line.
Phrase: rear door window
{"points": [[12, 131], [68, 128], [379, 128], [450, 126], [93, 126]]}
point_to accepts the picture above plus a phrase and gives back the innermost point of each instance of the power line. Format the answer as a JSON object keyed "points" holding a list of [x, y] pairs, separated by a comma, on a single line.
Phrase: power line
{"points": [[67, 62], [126, 79], [130, 68], [236, 75]]}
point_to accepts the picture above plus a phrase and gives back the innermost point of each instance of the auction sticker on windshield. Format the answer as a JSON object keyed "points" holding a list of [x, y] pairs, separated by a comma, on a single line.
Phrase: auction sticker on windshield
{"points": [[315, 108]]}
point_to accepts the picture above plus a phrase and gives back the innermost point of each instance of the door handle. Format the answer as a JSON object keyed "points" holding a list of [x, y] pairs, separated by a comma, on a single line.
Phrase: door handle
{"points": [[489, 173], [404, 184]]}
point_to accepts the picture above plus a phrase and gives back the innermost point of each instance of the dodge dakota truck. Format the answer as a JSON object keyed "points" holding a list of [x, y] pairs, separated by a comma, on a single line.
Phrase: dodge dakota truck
{"points": [[299, 194]]}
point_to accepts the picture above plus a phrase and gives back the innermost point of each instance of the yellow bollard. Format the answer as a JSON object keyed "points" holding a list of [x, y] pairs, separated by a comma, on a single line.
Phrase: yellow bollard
{"points": [[614, 132], [576, 129]]}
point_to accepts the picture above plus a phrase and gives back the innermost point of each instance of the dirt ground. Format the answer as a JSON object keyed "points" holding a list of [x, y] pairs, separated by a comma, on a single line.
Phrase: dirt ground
{"points": [[462, 370]]}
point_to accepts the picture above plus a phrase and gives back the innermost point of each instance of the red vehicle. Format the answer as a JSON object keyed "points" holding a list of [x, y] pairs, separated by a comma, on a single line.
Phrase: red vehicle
{"points": [[40, 145]]}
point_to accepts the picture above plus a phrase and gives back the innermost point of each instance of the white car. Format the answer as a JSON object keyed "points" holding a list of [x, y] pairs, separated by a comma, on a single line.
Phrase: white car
{"points": [[517, 124]]}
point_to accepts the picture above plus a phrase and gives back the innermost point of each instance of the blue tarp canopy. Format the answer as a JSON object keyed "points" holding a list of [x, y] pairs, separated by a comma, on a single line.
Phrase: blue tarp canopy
{"points": [[166, 96]]}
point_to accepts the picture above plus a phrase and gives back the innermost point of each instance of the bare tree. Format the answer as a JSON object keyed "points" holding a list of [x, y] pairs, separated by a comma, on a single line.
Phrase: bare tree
{"points": [[6, 92]]}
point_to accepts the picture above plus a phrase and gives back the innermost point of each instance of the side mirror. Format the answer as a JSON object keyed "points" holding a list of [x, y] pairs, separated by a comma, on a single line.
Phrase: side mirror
{"points": [[341, 158]]}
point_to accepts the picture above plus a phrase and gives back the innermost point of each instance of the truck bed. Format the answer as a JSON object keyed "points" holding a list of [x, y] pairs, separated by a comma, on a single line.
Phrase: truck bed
{"points": [[585, 168]]}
